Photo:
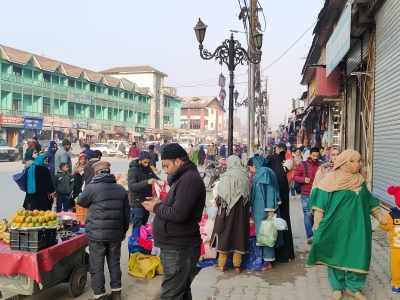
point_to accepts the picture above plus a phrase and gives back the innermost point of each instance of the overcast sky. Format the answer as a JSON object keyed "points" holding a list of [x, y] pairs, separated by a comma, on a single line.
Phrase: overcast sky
{"points": [[99, 34]]}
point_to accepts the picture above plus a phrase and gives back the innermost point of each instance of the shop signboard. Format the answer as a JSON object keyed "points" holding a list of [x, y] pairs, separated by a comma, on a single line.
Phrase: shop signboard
{"points": [[11, 120], [339, 43], [33, 123], [80, 125], [57, 122]]}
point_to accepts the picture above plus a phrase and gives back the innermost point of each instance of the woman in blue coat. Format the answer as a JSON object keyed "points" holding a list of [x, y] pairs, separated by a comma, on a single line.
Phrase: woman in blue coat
{"points": [[264, 200]]}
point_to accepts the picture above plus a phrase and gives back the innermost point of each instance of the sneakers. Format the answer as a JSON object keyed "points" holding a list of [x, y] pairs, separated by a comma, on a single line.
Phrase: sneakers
{"points": [[337, 295], [395, 290], [309, 241]]}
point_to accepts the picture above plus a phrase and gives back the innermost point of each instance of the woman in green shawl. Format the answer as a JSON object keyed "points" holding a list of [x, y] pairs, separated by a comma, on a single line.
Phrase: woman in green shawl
{"points": [[231, 228], [342, 207]]}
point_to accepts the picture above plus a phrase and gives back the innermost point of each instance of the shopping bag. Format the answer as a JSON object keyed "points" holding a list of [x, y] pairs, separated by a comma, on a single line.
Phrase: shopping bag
{"points": [[21, 179], [144, 266], [280, 224], [267, 234]]}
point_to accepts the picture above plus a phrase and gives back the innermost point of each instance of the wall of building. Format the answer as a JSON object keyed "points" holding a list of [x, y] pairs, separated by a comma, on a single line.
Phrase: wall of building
{"points": [[63, 101]]}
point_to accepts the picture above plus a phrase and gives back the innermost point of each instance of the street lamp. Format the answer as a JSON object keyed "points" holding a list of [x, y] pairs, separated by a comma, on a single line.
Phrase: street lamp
{"points": [[231, 54]]}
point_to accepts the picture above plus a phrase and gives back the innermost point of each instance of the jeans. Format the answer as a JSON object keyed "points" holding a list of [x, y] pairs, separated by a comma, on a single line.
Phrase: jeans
{"points": [[64, 202], [308, 219], [99, 251], [180, 268], [140, 216]]}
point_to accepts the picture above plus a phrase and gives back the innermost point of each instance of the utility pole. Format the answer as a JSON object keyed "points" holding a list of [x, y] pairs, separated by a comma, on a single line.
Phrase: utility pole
{"points": [[252, 69]]}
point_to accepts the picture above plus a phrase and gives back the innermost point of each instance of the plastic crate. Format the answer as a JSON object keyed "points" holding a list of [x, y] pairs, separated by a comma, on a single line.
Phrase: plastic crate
{"points": [[32, 240]]}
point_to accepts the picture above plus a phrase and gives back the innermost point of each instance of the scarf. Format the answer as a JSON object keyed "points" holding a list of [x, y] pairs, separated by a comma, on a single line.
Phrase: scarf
{"points": [[234, 184], [343, 177], [31, 182]]}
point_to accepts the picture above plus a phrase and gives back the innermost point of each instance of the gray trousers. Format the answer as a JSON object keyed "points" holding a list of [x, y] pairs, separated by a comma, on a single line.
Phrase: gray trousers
{"points": [[98, 253], [180, 268]]}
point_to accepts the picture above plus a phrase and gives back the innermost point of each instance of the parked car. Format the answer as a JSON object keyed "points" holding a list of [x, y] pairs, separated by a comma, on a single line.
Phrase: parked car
{"points": [[7, 153], [106, 149], [121, 146]]}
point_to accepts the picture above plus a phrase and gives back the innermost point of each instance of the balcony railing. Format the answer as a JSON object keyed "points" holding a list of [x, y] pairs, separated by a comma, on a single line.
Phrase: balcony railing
{"points": [[84, 96]]}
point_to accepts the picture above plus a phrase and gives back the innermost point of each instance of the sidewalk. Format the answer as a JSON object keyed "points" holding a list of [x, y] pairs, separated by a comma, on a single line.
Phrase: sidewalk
{"points": [[293, 280], [285, 282]]}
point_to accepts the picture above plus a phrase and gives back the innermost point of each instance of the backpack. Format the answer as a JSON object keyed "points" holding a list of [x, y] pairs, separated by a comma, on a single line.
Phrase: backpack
{"points": [[297, 186], [21, 179]]}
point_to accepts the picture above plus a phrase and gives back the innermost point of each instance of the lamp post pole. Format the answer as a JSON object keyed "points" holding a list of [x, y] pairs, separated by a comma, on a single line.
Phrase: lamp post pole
{"points": [[231, 54]]}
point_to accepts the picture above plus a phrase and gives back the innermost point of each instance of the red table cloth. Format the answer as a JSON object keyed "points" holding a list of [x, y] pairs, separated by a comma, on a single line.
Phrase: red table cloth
{"points": [[32, 264]]}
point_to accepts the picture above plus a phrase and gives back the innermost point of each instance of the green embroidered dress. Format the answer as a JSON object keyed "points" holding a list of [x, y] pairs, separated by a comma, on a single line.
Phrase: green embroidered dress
{"points": [[343, 238]]}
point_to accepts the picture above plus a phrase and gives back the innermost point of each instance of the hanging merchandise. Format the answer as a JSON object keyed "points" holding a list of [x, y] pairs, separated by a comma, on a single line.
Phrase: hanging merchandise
{"points": [[221, 81]]}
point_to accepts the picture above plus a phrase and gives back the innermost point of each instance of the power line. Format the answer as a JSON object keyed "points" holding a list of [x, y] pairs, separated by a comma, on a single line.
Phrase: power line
{"points": [[290, 48]]}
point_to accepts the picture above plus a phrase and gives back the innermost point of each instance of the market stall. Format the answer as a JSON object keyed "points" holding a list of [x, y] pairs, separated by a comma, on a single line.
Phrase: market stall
{"points": [[35, 256]]}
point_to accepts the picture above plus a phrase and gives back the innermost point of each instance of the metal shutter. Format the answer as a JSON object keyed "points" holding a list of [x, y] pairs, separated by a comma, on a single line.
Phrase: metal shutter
{"points": [[386, 164]]}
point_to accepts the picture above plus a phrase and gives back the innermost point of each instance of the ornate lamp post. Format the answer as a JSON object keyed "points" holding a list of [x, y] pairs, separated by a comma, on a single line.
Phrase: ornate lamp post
{"points": [[231, 54]]}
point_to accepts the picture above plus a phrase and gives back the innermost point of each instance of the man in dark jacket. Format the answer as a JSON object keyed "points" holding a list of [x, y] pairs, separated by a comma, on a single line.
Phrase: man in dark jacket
{"points": [[153, 156], [106, 225], [140, 181], [176, 224], [88, 172], [305, 175]]}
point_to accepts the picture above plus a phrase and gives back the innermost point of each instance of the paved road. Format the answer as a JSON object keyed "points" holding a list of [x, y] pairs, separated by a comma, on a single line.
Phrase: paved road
{"points": [[11, 198]]}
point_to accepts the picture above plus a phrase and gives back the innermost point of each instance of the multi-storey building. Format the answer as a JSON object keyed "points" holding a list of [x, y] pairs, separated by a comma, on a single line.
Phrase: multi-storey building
{"points": [[203, 116], [165, 106], [43, 96]]}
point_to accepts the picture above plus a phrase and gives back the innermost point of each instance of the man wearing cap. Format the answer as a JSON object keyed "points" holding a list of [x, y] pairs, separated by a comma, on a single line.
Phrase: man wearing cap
{"points": [[175, 227], [140, 180], [106, 225], [63, 155]]}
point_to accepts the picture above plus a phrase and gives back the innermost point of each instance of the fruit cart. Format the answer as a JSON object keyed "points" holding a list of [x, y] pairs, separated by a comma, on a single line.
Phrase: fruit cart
{"points": [[25, 273]]}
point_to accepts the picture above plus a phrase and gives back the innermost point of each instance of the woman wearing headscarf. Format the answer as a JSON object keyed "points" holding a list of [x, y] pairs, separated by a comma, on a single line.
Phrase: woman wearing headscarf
{"points": [[40, 188], [277, 163], [51, 152], [342, 207], [264, 200], [231, 229], [202, 155]]}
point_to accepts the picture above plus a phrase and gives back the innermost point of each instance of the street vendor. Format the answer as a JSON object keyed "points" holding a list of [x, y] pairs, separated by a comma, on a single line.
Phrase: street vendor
{"points": [[342, 241]]}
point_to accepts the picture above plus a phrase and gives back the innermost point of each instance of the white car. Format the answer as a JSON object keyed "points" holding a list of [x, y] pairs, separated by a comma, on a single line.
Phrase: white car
{"points": [[106, 149], [7, 153]]}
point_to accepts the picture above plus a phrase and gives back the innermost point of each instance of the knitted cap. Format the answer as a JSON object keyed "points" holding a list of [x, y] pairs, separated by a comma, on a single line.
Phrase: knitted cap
{"points": [[173, 151], [101, 166]]}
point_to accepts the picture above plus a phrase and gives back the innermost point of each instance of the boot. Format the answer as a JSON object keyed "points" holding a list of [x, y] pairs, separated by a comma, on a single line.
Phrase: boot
{"points": [[116, 295]]}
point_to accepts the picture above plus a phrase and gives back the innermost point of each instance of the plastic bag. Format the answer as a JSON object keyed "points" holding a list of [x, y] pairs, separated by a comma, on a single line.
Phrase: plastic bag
{"points": [[144, 266], [280, 224], [268, 233], [21, 179]]}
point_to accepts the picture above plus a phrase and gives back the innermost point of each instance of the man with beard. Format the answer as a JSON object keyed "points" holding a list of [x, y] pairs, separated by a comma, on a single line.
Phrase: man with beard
{"points": [[277, 163], [176, 223]]}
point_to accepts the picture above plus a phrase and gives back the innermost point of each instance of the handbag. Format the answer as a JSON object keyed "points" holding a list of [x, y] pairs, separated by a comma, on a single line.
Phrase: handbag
{"points": [[21, 179]]}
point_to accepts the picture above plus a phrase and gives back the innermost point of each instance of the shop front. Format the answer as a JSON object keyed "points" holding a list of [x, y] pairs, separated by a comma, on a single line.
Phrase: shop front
{"points": [[11, 129]]}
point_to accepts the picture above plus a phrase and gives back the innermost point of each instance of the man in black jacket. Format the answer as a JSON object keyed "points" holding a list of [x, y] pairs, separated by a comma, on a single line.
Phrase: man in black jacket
{"points": [[176, 224], [140, 180], [107, 223]]}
